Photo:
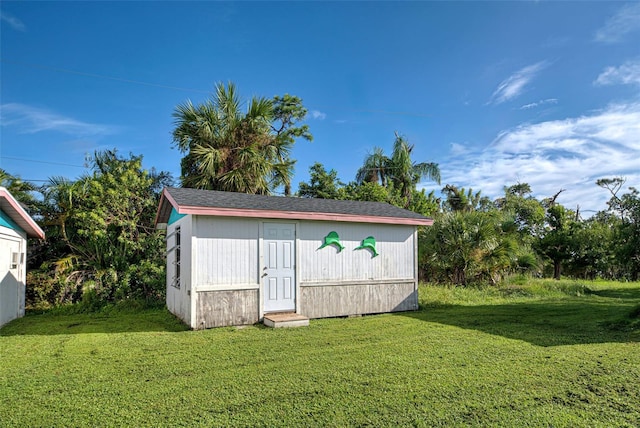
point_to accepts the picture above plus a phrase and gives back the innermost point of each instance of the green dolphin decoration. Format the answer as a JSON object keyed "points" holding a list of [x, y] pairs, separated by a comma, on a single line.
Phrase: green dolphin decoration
{"points": [[370, 243], [332, 239]]}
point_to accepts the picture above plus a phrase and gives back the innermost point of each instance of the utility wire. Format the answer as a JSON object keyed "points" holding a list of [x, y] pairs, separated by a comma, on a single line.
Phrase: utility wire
{"points": [[39, 161], [177, 88], [100, 76]]}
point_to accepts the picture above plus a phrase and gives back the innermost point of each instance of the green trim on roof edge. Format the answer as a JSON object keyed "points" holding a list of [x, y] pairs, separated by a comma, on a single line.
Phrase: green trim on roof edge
{"points": [[175, 216]]}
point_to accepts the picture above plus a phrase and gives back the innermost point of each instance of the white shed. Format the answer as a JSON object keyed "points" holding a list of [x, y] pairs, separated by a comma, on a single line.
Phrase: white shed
{"points": [[234, 257], [15, 226]]}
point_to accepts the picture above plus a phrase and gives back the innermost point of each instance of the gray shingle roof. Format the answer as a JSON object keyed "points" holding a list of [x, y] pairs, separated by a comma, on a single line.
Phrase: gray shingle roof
{"points": [[241, 201]]}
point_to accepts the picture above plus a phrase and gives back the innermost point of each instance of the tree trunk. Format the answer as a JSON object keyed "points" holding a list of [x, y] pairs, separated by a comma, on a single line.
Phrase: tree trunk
{"points": [[557, 269]]}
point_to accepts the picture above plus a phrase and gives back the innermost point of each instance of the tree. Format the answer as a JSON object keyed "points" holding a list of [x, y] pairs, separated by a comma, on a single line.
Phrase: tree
{"points": [[19, 189], [375, 168], [593, 248], [424, 203], [288, 111], [102, 242], [367, 191], [228, 149], [405, 173], [629, 232], [399, 169], [322, 184], [557, 240], [459, 200], [471, 247], [528, 212]]}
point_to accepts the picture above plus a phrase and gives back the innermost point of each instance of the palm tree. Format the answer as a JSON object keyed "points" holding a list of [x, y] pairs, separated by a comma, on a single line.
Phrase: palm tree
{"points": [[399, 170], [227, 149], [374, 168], [21, 190], [405, 173], [459, 200]]}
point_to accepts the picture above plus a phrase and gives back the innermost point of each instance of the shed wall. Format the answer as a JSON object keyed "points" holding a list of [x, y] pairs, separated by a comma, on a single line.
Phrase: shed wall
{"points": [[179, 298], [226, 253], [394, 244], [357, 299], [225, 276], [223, 308], [12, 278]]}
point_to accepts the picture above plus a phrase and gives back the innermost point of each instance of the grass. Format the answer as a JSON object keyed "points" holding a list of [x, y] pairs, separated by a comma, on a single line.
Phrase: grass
{"points": [[525, 354]]}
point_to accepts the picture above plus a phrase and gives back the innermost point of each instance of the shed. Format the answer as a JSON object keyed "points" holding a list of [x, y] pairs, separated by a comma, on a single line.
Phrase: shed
{"points": [[15, 226], [232, 258]]}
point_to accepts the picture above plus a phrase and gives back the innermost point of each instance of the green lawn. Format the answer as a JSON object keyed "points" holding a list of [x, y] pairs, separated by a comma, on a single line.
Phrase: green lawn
{"points": [[541, 354]]}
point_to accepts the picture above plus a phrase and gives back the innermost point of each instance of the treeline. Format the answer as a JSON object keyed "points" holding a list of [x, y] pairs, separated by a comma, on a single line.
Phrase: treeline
{"points": [[101, 245]]}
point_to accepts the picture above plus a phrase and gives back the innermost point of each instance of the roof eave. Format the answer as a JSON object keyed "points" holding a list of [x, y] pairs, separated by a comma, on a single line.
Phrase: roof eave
{"points": [[15, 211], [298, 215], [164, 211]]}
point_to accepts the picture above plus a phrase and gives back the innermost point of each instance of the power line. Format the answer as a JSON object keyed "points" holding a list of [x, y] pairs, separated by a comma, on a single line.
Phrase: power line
{"points": [[40, 161], [178, 88], [100, 76]]}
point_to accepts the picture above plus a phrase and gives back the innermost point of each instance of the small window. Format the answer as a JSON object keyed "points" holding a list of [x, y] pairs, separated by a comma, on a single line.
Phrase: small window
{"points": [[176, 280], [15, 260]]}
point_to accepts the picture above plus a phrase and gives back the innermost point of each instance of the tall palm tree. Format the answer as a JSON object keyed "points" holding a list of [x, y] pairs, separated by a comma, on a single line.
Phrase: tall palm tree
{"points": [[405, 173], [399, 169], [375, 168], [228, 149]]}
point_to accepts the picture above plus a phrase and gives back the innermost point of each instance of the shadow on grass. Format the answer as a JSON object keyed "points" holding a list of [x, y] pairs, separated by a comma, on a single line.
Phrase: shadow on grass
{"points": [[155, 320], [624, 293], [554, 322]]}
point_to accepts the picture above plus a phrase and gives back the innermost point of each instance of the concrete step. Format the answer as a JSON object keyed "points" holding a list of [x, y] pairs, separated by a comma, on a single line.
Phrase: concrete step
{"points": [[288, 319]]}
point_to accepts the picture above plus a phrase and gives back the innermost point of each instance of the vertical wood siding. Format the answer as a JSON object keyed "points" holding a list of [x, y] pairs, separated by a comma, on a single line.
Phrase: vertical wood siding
{"points": [[223, 308], [226, 251], [395, 245], [355, 299]]}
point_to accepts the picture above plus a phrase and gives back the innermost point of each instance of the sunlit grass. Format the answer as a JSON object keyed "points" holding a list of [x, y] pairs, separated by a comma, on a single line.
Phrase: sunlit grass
{"points": [[529, 353]]}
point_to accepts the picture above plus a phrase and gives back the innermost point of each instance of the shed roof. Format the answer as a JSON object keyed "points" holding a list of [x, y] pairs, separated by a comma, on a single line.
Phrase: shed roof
{"points": [[230, 204], [14, 210]]}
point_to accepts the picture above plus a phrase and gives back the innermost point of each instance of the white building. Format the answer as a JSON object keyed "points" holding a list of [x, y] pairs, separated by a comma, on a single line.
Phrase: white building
{"points": [[233, 258], [15, 226]]}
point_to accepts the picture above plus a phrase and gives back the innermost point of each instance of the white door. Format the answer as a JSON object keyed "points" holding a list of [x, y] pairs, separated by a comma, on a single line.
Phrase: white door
{"points": [[278, 273]]}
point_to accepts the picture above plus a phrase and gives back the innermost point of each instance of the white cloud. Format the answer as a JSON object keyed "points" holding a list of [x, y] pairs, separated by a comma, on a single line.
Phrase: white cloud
{"points": [[539, 103], [31, 120], [315, 114], [617, 27], [566, 154], [458, 149], [627, 74], [515, 84], [13, 22]]}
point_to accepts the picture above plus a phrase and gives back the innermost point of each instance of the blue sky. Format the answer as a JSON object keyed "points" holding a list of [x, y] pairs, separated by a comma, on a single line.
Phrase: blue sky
{"points": [[495, 92]]}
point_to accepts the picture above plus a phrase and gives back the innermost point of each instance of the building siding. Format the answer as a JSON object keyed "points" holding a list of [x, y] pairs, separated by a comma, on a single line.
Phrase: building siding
{"points": [[12, 280], [178, 299], [224, 308], [334, 300], [395, 246], [221, 267], [226, 252]]}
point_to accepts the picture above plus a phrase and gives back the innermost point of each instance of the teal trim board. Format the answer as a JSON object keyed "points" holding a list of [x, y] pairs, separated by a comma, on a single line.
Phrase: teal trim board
{"points": [[175, 216], [6, 221]]}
